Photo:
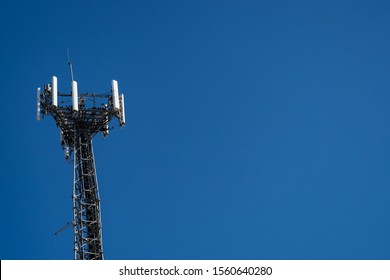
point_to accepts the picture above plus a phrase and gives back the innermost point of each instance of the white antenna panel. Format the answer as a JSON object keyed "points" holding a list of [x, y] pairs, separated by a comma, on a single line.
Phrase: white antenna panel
{"points": [[123, 119], [62, 141], [115, 94], [106, 128], [38, 104], [75, 100], [54, 91]]}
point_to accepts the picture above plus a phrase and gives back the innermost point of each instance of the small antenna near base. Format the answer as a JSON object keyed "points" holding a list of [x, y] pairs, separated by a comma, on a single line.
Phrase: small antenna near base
{"points": [[68, 224], [70, 65]]}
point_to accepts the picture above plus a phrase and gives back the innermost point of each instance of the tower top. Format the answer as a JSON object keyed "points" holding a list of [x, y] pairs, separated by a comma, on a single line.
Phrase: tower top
{"points": [[89, 113]]}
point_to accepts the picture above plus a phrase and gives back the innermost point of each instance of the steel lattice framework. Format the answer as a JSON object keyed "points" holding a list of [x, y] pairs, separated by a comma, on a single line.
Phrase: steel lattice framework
{"points": [[79, 123]]}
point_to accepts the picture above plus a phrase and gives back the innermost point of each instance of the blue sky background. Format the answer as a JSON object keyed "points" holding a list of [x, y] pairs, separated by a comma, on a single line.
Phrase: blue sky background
{"points": [[255, 129]]}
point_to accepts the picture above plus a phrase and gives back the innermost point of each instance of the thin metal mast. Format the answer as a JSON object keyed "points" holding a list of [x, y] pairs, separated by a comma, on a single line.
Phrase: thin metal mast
{"points": [[70, 65], [79, 123]]}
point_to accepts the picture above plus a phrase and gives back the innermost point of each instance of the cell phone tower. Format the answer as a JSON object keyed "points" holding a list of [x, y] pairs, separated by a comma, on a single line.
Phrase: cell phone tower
{"points": [[88, 114]]}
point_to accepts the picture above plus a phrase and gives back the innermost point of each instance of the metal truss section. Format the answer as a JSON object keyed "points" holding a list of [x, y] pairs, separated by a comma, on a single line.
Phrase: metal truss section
{"points": [[86, 201]]}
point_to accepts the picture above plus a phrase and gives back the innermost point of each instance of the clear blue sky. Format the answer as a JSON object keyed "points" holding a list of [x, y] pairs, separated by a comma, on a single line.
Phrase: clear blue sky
{"points": [[255, 129]]}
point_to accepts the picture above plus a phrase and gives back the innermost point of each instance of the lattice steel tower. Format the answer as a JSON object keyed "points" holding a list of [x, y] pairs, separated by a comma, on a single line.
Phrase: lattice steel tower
{"points": [[88, 114]]}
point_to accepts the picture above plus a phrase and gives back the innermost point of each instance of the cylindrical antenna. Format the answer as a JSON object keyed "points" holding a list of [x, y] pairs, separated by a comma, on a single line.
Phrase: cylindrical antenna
{"points": [[70, 66], [75, 98], [54, 91], [115, 94]]}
